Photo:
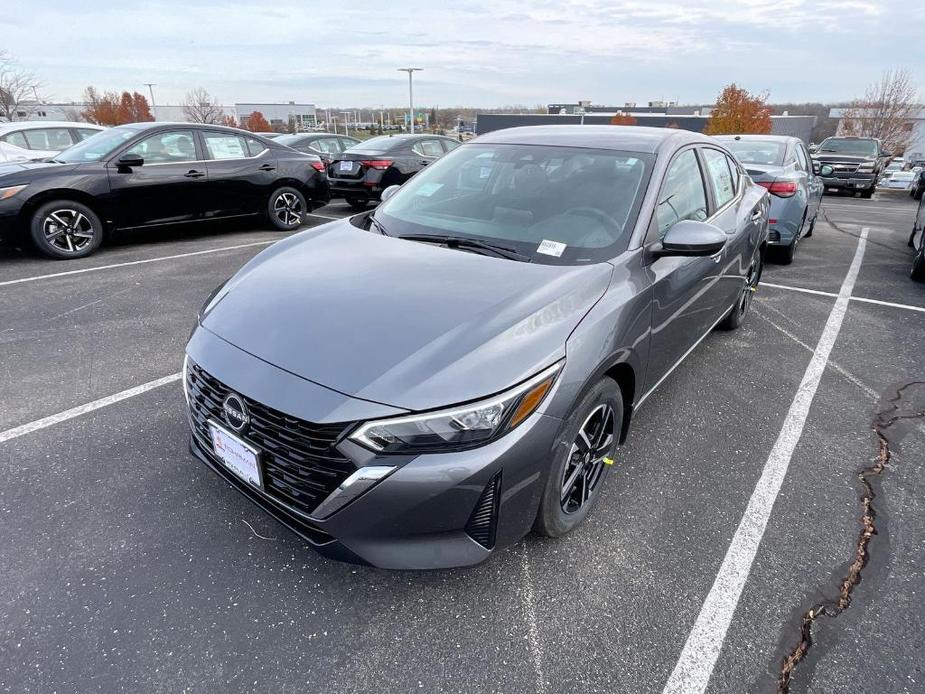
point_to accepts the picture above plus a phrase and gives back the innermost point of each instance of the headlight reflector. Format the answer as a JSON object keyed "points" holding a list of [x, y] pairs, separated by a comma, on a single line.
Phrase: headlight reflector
{"points": [[466, 426]]}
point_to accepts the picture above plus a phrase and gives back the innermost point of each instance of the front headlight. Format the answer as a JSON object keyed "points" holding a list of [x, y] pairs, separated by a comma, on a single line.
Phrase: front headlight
{"points": [[11, 191], [866, 167], [465, 426]]}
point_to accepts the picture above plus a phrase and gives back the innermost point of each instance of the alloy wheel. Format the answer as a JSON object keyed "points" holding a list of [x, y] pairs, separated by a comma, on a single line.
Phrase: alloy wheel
{"points": [[587, 458], [288, 208], [67, 230]]}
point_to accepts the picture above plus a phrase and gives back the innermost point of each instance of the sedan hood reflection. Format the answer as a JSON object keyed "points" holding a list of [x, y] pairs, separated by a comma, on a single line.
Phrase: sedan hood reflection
{"points": [[407, 324]]}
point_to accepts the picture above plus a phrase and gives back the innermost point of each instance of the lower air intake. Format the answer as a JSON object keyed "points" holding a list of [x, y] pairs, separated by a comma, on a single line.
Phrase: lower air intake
{"points": [[484, 519]]}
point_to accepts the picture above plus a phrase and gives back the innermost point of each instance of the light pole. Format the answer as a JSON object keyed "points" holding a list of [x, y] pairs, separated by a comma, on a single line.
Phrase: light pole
{"points": [[410, 71], [346, 115], [151, 86]]}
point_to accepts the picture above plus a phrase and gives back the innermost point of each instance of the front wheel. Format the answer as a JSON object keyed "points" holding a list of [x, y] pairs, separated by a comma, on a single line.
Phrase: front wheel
{"points": [[867, 194], [737, 314], [65, 229], [583, 455], [286, 208]]}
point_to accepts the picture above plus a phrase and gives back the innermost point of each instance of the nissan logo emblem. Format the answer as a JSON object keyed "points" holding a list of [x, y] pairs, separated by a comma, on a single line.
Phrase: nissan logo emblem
{"points": [[236, 412]]}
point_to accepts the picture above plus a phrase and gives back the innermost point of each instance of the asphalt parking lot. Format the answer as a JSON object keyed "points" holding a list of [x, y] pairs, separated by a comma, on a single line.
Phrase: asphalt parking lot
{"points": [[128, 566]]}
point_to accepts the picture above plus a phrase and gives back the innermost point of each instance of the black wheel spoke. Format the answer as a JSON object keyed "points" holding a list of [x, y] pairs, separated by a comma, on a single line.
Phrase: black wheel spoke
{"points": [[585, 464]]}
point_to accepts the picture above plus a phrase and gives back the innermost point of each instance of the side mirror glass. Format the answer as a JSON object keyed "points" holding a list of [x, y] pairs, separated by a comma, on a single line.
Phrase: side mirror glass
{"points": [[691, 238], [826, 170], [130, 161], [389, 192]]}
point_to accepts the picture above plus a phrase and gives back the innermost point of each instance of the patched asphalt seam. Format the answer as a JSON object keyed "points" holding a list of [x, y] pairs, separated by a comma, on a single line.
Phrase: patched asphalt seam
{"points": [[885, 419]]}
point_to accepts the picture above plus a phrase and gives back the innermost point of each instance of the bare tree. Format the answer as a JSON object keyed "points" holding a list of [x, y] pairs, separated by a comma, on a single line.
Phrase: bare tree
{"points": [[202, 107], [18, 90], [884, 112]]}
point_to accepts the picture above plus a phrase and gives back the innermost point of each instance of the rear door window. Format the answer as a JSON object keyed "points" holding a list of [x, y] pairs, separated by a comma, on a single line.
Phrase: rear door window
{"points": [[327, 145], [225, 146], [720, 176], [255, 147], [428, 148], [48, 138]]}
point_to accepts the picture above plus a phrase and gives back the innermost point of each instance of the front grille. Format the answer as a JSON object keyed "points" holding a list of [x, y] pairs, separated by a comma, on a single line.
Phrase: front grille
{"points": [[299, 463], [484, 519]]}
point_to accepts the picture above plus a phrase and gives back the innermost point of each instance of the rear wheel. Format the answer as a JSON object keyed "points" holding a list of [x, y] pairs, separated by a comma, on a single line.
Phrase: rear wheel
{"points": [[787, 253], [737, 315], [582, 458], [65, 229], [358, 204], [918, 265], [286, 208]]}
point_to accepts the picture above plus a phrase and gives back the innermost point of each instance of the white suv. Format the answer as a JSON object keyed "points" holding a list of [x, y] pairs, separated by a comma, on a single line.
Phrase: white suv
{"points": [[31, 140]]}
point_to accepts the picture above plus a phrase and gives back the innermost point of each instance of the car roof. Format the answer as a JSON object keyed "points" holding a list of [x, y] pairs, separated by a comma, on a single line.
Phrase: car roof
{"points": [[153, 125], [630, 138], [34, 124], [764, 138]]}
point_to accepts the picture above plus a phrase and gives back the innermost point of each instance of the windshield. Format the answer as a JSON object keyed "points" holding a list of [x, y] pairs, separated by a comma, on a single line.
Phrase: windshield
{"points": [[96, 146], [757, 151], [376, 145], [556, 205], [855, 147]]}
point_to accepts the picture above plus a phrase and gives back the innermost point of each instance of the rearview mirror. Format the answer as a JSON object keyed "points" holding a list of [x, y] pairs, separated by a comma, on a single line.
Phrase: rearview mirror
{"points": [[389, 192], [691, 238], [130, 161]]}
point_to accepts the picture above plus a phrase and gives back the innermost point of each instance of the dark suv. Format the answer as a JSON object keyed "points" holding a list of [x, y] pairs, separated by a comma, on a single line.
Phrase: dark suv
{"points": [[361, 173], [857, 163]]}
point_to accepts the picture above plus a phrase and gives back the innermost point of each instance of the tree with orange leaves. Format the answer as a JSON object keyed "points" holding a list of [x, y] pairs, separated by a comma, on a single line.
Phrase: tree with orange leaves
{"points": [[256, 123], [108, 108], [230, 122], [738, 112], [623, 119], [133, 108]]}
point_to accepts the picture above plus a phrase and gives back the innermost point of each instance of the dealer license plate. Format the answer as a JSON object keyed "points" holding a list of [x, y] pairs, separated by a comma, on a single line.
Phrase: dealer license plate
{"points": [[236, 455], [345, 166]]}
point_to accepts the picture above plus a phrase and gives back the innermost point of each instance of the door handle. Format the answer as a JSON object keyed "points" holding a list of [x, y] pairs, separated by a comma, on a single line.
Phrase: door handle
{"points": [[266, 167], [192, 173]]}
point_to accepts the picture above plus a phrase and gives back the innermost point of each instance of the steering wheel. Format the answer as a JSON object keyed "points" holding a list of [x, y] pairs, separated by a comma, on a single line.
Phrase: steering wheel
{"points": [[599, 215]]}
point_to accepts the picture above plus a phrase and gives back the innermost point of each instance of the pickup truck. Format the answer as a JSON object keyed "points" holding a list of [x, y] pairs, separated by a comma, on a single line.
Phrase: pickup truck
{"points": [[857, 163]]}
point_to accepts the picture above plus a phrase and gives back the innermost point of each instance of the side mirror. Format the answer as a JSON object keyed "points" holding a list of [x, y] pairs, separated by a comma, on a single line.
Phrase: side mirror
{"points": [[690, 238], [388, 192], [130, 161]]}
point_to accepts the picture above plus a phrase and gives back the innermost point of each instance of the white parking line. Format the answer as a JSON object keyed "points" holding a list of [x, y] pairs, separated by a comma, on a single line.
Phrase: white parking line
{"points": [[878, 302], [323, 216], [691, 674], [66, 273], [842, 207], [87, 407]]}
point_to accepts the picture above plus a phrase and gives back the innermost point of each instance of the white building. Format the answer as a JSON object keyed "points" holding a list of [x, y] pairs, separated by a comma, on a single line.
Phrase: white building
{"points": [[304, 115], [916, 126]]}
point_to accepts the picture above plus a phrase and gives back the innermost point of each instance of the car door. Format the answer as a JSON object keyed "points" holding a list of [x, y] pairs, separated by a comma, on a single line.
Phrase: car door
{"points": [[683, 288], [166, 188], [814, 185], [242, 171], [732, 214]]}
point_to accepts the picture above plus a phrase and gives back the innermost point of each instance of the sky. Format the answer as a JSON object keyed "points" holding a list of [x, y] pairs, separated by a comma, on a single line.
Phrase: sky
{"points": [[474, 53]]}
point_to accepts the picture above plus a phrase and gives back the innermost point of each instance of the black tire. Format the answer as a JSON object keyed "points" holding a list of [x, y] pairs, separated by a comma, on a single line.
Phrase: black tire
{"points": [[812, 225], [918, 265], [787, 253], [65, 229], [917, 194], [737, 313], [561, 513], [286, 208], [867, 194], [358, 204]]}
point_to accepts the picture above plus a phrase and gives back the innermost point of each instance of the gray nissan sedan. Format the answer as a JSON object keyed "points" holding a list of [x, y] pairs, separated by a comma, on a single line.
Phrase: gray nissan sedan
{"points": [[420, 386]]}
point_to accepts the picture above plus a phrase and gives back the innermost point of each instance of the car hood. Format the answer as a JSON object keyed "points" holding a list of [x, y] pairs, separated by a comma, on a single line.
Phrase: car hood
{"points": [[407, 324], [26, 171]]}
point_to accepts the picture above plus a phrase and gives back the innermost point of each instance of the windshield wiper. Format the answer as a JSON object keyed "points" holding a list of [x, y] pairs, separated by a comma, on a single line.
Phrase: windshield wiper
{"points": [[465, 242], [376, 223]]}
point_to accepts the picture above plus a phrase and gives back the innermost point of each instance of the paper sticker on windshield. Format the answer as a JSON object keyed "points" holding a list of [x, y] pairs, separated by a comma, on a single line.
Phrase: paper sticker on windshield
{"points": [[553, 248], [428, 189]]}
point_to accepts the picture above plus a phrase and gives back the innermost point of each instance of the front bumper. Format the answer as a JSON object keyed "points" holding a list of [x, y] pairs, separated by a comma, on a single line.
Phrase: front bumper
{"points": [[855, 181], [9, 218], [419, 517]]}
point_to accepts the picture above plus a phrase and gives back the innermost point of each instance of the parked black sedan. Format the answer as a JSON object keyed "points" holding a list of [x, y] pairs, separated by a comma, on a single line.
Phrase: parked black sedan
{"points": [[149, 174], [324, 145], [362, 172]]}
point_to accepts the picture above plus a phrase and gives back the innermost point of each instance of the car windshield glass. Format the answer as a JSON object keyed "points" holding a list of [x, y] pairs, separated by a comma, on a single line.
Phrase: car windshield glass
{"points": [[376, 145], [860, 148], [556, 205], [757, 151], [96, 147]]}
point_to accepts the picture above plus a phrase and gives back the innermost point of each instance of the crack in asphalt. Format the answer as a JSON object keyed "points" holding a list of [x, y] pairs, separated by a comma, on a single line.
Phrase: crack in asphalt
{"points": [[853, 234], [885, 419]]}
